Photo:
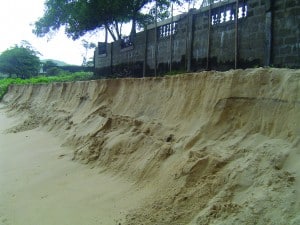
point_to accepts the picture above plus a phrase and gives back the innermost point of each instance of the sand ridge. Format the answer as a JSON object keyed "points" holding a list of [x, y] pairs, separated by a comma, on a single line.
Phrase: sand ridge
{"points": [[214, 147]]}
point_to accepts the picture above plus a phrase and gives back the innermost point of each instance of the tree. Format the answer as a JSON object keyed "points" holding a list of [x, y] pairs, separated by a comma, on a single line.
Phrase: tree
{"points": [[48, 65], [54, 71], [87, 46], [82, 16], [51, 68], [21, 61]]}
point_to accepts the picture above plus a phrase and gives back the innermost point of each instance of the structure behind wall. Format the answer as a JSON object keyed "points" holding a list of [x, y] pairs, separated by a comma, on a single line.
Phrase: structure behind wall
{"points": [[221, 35]]}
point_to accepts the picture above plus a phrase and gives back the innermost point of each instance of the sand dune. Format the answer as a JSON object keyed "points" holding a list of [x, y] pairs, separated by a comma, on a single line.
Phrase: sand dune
{"points": [[211, 147]]}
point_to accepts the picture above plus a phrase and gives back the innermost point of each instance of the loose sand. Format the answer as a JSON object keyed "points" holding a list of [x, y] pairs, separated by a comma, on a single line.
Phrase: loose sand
{"points": [[40, 185], [197, 149]]}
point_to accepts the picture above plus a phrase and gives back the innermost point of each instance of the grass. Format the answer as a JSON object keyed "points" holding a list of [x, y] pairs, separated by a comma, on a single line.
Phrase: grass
{"points": [[174, 72], [4, 83]]}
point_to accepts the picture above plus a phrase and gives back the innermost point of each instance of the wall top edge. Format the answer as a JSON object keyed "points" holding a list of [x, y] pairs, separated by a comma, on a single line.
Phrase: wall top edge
{"points": [[191, 11]]}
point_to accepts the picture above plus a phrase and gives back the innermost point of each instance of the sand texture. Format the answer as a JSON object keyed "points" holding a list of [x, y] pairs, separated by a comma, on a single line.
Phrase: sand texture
{"points": [[204, 148]]}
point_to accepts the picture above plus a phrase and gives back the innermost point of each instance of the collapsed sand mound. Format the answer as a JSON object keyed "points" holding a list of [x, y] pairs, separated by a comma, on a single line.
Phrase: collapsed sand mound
{"points": [[216, 148]]}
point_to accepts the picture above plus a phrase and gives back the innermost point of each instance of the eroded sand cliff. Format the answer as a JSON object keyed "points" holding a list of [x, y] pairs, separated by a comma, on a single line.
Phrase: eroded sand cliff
{"points": [[212, 147]]}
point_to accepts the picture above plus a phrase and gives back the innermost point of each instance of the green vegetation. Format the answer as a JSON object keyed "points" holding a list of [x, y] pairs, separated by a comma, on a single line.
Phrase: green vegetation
{"points": [[81, 16], [174, 72], [4, 83], [20, 61]]}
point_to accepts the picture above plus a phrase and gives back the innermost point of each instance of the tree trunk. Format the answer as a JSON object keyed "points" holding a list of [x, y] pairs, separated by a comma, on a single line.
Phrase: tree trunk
{"points": [[106, 35], [133, 27], [117, 30], [111, 32]]}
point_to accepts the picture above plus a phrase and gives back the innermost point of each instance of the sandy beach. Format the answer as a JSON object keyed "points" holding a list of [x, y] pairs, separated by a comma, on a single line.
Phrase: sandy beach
{"points": [[40, 184]]}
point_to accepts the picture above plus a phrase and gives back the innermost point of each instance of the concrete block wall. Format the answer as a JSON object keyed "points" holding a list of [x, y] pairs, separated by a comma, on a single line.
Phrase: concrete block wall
{"points": [[268, 35], [286, 33]]}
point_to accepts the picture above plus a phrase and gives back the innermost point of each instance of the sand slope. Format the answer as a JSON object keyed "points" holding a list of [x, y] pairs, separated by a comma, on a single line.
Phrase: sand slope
{"points": [[39, 184], [216, 148]]}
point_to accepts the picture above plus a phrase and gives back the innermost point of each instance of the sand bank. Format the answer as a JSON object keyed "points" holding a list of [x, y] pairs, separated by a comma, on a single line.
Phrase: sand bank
{"points": [[210, 147]]}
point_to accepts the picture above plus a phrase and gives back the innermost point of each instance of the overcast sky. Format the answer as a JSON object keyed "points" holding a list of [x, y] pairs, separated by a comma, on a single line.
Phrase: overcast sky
{"points": [[16, 17]]}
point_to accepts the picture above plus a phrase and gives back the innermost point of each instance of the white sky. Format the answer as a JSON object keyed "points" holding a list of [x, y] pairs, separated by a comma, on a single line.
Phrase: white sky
{"points": [[16, 17]]}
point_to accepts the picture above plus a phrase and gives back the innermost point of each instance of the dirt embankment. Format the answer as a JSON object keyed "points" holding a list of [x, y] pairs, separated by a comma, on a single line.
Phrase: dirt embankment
{"points": [[216, 148]]}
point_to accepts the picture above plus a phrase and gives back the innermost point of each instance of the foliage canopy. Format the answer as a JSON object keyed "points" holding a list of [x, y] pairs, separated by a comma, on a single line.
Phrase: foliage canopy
{"points": [[21, 61], [81, 16]]}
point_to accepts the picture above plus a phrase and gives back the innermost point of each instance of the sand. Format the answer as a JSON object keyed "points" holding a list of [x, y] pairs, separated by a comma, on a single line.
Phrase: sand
{"points": [[40, 184], [202, 148]]}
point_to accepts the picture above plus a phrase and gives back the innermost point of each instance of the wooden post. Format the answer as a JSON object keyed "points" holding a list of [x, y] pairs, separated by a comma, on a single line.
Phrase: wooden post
{"points": [[145, 53], [189, 47], [111, 58], [208, 36], [171, 39], [155, 51], [268, 32], [236, 35]]}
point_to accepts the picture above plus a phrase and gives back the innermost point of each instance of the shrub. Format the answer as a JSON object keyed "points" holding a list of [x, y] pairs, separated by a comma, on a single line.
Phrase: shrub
{"points": [[4, 83]]}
